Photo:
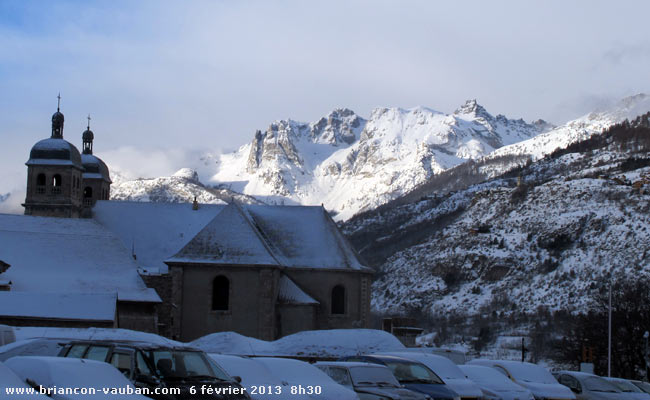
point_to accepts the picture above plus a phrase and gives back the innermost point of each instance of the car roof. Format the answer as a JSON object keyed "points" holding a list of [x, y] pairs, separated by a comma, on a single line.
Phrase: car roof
{"points": [[385, 357], [576, 373], [132, 343], [349, 364]]}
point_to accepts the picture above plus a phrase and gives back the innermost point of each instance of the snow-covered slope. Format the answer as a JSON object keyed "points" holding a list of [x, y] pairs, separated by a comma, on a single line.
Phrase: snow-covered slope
{"points": [[350, 164], [548, 235], [181, 187], [579, 129]]}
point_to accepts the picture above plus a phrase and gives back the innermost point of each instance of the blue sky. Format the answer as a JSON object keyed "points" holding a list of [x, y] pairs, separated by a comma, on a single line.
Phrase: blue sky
{"points": [[162, 76]]}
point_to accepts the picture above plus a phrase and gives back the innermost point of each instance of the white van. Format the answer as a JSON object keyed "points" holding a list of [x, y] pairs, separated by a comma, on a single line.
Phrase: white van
{"points": [[7, 335]]}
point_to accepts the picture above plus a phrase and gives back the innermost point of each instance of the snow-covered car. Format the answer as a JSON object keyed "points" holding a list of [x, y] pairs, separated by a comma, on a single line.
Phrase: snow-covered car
{"points": [[531, 376], [588, 386], [258, 380], [304, 378], [413, 375], [14, 388], [71, 379], [453, 377], [32, 347], [7, 335], [629, 391], [150, 366], [370, 381], [495, 385]]}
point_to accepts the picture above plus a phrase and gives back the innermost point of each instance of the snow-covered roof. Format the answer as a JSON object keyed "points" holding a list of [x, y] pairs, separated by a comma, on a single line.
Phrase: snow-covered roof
{"points": [[155, 231], [24, 333], [54, 151], [291, 236], [68, 255], [290, 293], [66, 306]]}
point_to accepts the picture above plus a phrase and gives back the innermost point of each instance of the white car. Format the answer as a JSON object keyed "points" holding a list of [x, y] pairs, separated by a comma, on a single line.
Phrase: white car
{"points": [[494, 384], [531, 376], [258, 380], [73, 378], [629, 390], [453, 377], [304, 378], [14, 388]]}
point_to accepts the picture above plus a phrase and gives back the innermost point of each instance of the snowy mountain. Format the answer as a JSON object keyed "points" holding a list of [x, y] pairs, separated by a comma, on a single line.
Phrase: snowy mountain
{"points": [[545, 235], [181, 187], [350, 164]]}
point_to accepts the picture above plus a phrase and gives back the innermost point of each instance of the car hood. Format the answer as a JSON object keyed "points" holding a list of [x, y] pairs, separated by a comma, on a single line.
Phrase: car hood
{"points": [[390, 392], [548, 390], [434, 390], [464, 387]]}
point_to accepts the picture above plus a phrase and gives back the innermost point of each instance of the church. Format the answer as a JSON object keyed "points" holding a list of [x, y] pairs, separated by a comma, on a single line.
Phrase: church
{"points": [[182, 270]]}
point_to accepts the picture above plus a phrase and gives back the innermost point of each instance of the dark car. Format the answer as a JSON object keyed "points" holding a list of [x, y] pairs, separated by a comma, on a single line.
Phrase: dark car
{"points": [[166, 372], [413, 375]]}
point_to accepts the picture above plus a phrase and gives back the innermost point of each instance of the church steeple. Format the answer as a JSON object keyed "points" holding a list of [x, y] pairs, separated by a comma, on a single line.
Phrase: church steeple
{"points": [[87, 138], [57, 121]]}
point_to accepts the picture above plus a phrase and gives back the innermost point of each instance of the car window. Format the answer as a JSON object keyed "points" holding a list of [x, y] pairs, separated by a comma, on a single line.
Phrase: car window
{"points": [[122, 361], [141, 365], [569, 382], [412, 372], [77, 350], [339, 375], [97, 353]]}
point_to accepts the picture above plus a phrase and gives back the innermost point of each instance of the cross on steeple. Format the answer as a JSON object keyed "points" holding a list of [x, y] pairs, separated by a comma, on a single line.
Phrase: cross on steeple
{"points": [[58, 103], [88, 121]]}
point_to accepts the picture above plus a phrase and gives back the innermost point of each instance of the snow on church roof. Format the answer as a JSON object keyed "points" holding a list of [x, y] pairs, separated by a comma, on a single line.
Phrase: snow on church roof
{"points": [[156, 231], [67, 306], [227, 239], [68, 255], [290, 293]]}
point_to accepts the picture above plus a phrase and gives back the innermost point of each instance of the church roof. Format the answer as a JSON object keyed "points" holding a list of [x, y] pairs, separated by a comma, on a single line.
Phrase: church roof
{"points": [[68, 255], [289, 236], [94, 168], [66, 306], [54, 151], [227, 239], [154, 231], [290, 293]]}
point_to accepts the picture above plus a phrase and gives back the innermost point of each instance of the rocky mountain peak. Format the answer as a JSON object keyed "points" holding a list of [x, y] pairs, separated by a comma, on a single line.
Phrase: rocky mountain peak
{"points": [[472, 107]]}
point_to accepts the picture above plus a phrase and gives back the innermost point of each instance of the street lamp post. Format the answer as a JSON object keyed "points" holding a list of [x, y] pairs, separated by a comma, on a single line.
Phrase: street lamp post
{"points": [[609, 330]]}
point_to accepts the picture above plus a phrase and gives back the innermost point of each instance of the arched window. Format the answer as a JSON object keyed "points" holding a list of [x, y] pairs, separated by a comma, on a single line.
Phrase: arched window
{"points": [[40, 180], [88, 192], [220, 293], [338, 300], [56, 180]]}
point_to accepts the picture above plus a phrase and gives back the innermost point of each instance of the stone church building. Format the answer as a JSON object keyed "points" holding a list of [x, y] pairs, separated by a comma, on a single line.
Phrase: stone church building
{"points": [[182, 270]]}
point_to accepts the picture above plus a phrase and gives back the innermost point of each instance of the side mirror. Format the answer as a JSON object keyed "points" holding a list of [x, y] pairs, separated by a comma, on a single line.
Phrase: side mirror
{"points": [[237, 379]]}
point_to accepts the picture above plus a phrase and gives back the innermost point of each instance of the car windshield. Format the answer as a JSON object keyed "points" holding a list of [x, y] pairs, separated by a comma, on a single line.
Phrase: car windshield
{"points": [[406, 372], [184, 364], [645, 386], [525, 372], [372, 376], [487, 375], [626, 387], [597, 384]]}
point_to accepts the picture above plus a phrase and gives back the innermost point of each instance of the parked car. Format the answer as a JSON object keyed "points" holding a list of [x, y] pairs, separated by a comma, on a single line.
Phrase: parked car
{"points": [[19, 389], [304, 378], [588, 386], [258, 380], [629, 390], [453, 377], [71, 379], [152, 366], [413, 375], [370, 381], [494, 384], [533, 377]]}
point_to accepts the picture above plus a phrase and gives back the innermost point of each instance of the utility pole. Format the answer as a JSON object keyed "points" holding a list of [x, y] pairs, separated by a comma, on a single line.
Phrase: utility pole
{"points": [[609, 328]]}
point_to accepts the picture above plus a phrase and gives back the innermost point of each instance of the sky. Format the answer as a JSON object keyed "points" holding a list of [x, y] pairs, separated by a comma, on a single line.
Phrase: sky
{"points": [[165, 81]]}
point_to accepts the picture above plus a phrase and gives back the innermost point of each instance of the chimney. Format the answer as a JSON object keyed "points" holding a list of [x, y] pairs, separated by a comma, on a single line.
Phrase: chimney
{"points": [[195, 204]]}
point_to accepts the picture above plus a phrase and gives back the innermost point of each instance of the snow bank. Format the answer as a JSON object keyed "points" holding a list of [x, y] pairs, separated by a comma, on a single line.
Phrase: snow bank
{"points": [[24, 333], [333, 343]]}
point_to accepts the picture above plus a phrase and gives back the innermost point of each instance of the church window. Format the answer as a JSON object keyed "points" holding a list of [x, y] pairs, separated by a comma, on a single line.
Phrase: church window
{"points": [[220, 293], [88, 192], [338, 300], [56, 184], [40, 180]]}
